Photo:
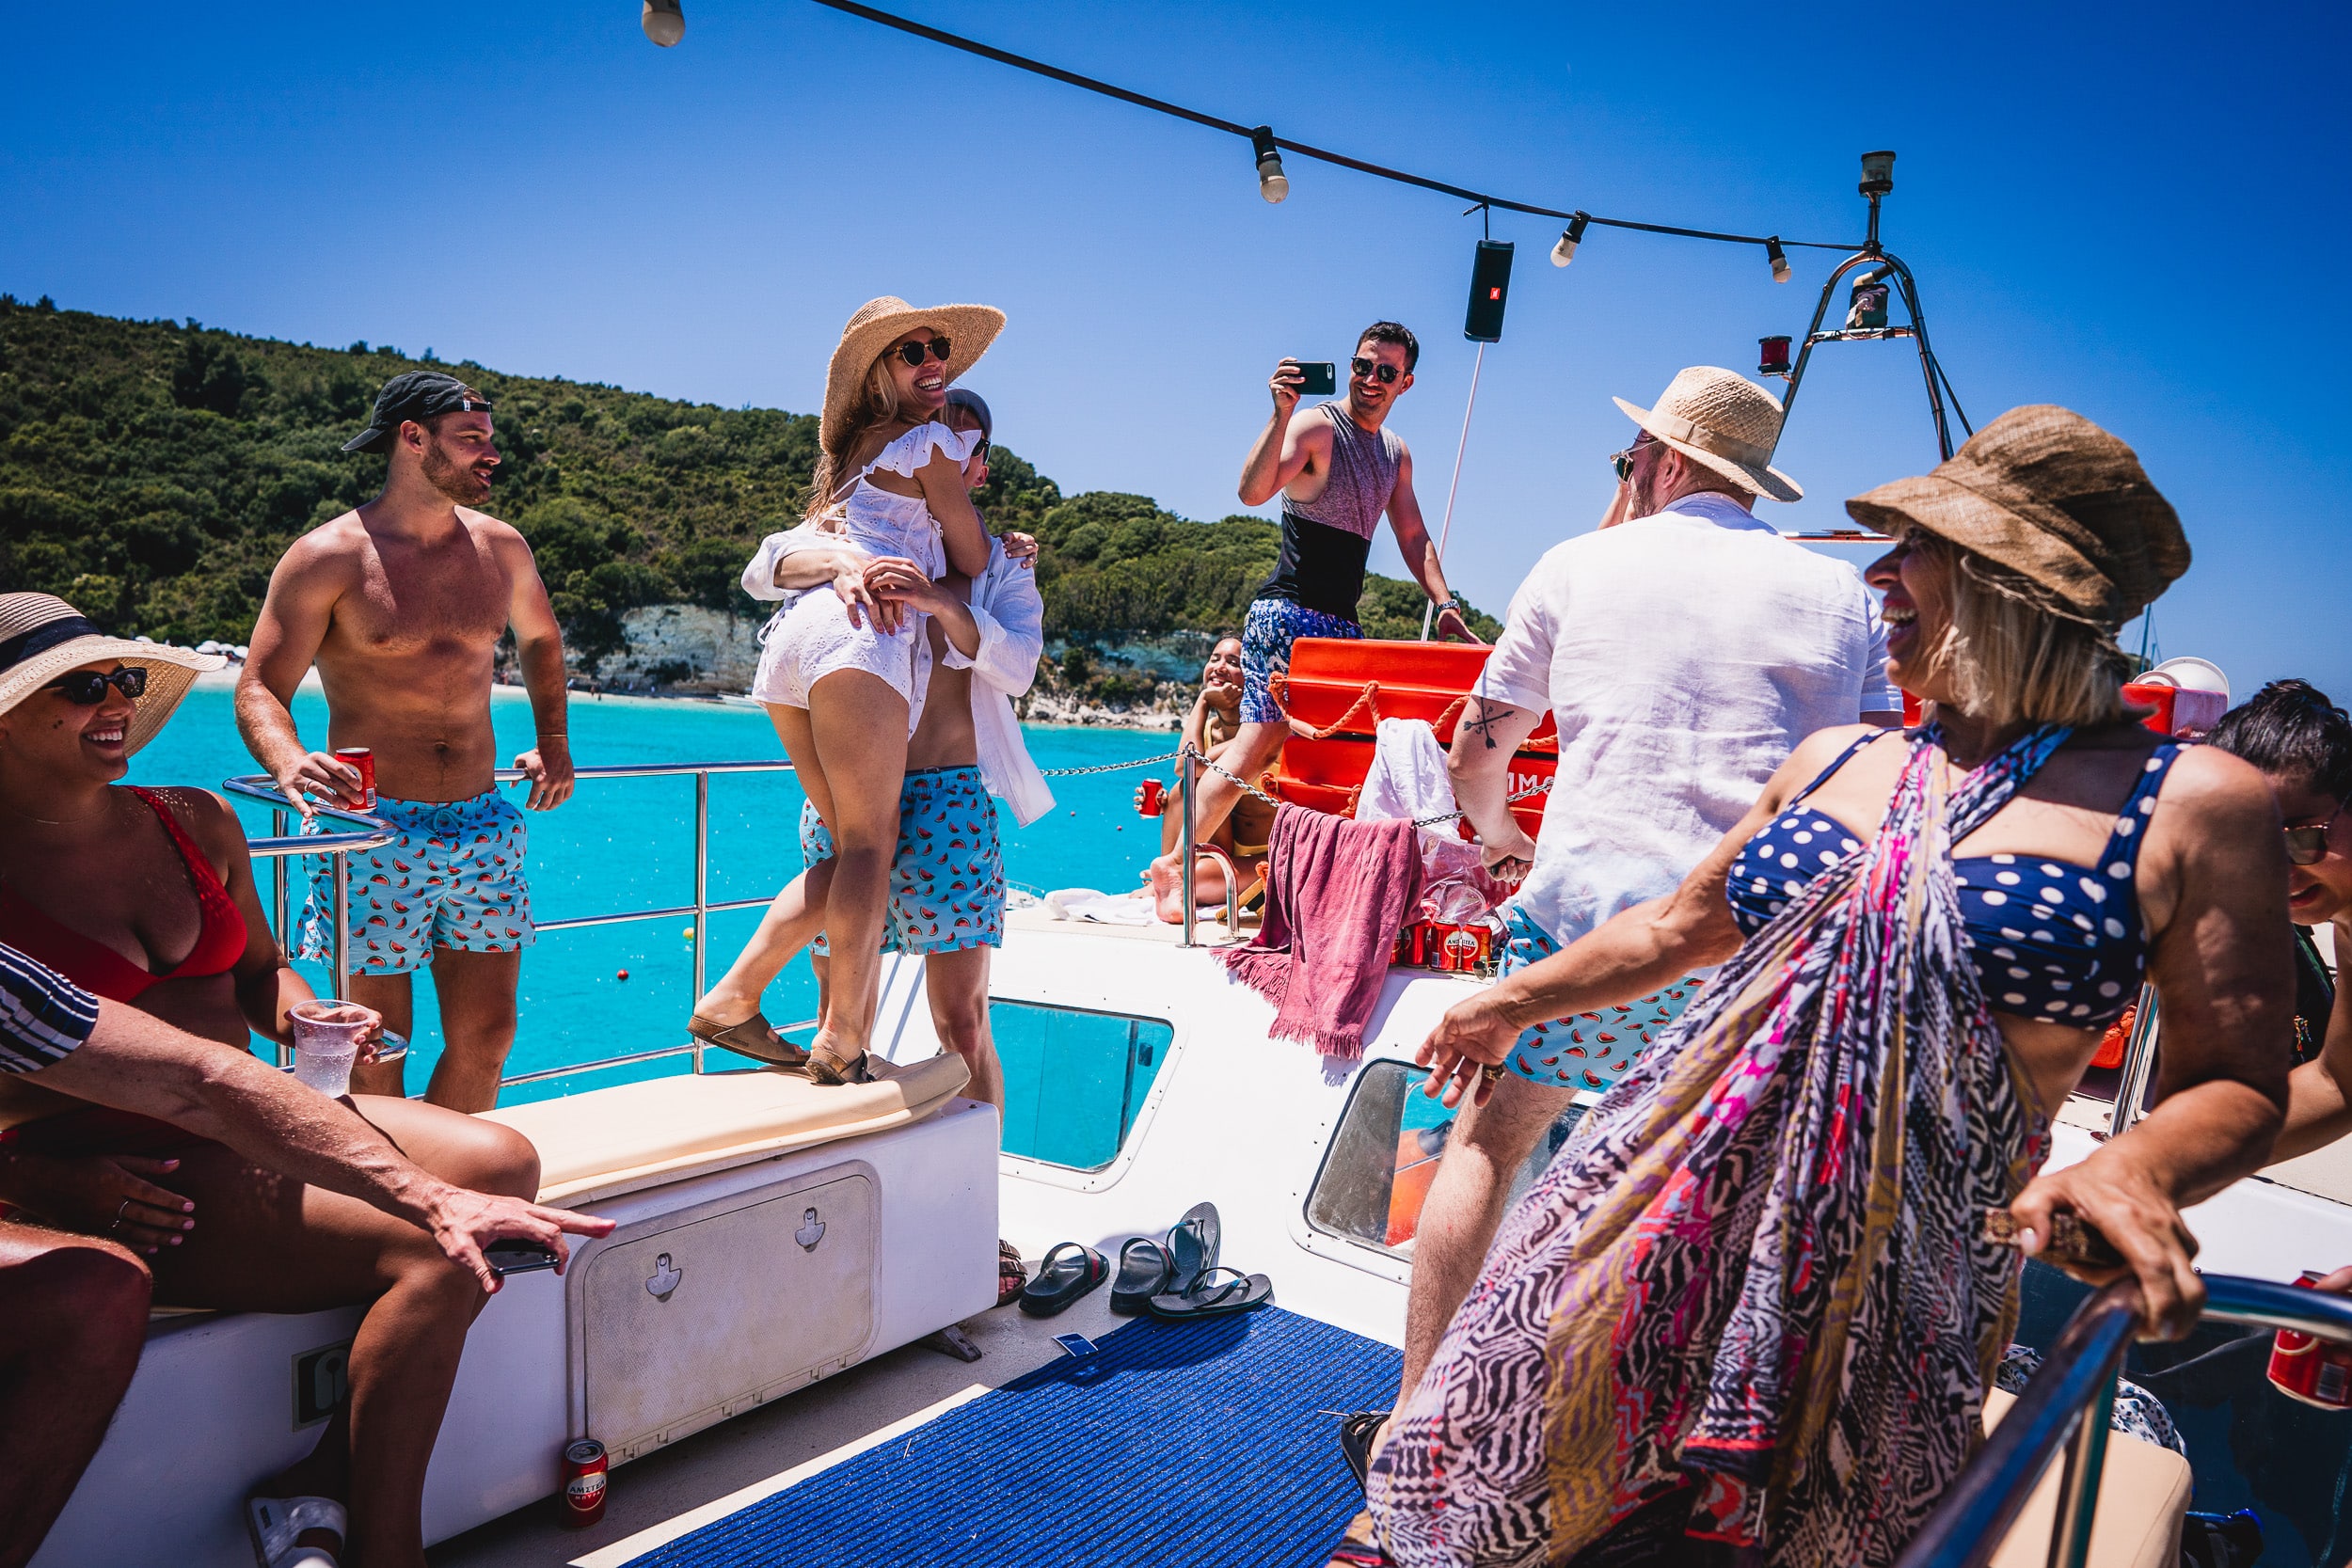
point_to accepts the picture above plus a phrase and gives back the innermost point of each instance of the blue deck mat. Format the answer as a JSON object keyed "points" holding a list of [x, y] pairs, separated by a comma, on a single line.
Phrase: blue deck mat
{"points": [[1178, 1443]]}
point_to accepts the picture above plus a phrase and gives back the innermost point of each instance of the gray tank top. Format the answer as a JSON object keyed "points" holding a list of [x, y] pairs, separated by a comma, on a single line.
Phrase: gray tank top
{"points": [[1363, 477]]}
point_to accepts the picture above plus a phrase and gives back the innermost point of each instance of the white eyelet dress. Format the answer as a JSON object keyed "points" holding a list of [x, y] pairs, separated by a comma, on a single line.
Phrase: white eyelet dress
{"points": [[811, 638]]}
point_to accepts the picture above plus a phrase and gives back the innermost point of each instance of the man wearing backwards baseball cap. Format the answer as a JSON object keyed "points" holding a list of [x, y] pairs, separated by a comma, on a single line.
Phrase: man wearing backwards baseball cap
{"points": [[401, 604]]}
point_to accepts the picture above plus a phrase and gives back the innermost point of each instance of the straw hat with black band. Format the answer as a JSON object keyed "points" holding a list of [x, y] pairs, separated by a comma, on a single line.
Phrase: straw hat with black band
{"points": [[1725, 424], [878, 323], [42, 637], [2052, 497]]}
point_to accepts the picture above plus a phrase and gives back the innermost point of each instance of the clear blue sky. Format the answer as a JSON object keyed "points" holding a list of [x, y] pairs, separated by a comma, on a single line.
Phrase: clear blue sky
{"points": [[2136, 211]]}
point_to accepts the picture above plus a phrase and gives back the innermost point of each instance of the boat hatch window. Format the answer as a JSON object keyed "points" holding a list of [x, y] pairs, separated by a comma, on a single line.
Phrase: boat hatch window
{"points": [[1390, 1143], [1073, 1080]]}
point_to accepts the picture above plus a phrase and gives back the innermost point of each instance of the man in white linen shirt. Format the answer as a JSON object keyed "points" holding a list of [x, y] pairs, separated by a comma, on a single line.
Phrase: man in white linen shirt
{"points": [[1683, 654], [947, 882]]}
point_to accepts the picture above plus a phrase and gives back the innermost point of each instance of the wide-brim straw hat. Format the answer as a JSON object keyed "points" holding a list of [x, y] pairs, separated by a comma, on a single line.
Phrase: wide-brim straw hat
{"points": [[42, 637], [1725, 424], [2049, 495], [878, 323]]}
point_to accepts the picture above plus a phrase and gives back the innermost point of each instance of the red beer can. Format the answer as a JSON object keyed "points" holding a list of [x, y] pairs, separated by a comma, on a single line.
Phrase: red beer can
{"points": [[586, 1472], [1149, 797], [2305, 1367], [364, 760]]}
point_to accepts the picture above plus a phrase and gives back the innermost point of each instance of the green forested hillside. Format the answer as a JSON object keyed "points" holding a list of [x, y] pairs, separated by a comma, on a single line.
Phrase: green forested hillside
{"points": [[153, 472]]}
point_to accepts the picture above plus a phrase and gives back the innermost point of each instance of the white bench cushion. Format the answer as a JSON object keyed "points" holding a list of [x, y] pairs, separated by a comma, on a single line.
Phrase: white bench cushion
{"points": [[630, 1137]]}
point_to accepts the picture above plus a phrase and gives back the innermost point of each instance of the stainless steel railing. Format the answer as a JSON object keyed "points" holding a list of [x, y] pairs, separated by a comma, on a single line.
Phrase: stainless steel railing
{"points": [[262, 788], [2068, 1404]]}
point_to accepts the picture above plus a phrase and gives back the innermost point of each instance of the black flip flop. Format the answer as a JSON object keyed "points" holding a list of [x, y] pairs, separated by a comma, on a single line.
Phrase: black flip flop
{"points": [[1070, 1271], [1144, 1271], [1356, 1429], [1192, 1244], [1217, 1294]]}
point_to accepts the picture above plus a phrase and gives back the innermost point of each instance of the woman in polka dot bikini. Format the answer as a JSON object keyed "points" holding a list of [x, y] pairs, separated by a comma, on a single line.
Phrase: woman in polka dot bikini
{"points": [[1750, 1313]]}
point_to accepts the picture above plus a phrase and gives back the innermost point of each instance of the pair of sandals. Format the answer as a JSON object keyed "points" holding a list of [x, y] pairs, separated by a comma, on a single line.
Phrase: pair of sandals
{"points": [[1181, 1278], [757, 1038]]}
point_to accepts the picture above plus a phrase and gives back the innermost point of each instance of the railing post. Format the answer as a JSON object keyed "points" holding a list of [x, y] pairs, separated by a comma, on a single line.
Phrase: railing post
{"points": [[339, 865], [1187, 774], [279, 913], [2140, 1057], [702, 887], [2078, 1492]]}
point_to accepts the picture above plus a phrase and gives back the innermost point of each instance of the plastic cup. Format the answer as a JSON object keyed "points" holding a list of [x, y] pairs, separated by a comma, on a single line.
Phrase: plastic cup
{"points": [[327, 1041]]}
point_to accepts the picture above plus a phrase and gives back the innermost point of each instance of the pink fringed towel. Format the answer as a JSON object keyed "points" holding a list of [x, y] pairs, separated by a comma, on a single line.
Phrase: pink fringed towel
{"points": [[1337, 894]]}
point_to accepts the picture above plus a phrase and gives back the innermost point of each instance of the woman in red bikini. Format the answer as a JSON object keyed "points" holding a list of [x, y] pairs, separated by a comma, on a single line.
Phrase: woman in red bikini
{"points": [[147, 897]]}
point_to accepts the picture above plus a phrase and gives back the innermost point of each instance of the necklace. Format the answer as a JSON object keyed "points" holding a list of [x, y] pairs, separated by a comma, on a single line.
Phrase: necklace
{"points": [[104, 801]]}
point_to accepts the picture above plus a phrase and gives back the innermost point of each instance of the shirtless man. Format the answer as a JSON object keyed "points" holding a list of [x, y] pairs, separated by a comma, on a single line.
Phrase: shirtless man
{"points": [[1337, 467], [402, 603]]}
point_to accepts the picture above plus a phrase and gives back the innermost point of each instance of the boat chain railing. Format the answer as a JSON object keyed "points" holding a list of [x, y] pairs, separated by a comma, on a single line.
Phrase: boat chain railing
{"points": [[2067, 1404]]}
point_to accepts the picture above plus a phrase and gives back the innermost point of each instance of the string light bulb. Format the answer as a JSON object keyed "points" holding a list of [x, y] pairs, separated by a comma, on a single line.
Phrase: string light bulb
{"points": [[1778, 258], [1570, 237], [1272, 182], [663, 21]]}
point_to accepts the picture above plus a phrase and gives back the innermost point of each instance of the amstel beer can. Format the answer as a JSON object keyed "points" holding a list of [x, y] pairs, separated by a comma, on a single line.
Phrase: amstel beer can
{"points": [[2305, 1367], [586, 1472], [364, 759]]}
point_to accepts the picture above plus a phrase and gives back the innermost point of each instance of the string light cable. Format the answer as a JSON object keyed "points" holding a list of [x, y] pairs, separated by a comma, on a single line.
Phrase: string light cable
{"points": [[1267, 147]]}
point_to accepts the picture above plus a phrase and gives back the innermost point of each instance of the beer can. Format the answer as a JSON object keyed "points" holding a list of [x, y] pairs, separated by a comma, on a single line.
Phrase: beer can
{"points": [[585, 1473], [364, 760], [1151, 797], [2305, 1367]]}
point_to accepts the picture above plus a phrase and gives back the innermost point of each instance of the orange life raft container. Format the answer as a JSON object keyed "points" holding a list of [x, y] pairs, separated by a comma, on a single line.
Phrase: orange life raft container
{"points": [[1344, 687]]}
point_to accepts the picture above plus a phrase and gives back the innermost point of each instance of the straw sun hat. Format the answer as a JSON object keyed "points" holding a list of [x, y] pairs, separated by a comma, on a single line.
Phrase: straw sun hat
{"points": [[878, 323], [2046, 493], [1724, 421], [42, 637]]}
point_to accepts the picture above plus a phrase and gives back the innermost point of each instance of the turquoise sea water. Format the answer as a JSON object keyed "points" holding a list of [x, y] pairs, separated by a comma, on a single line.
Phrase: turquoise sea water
{"points": [[628, 843]]}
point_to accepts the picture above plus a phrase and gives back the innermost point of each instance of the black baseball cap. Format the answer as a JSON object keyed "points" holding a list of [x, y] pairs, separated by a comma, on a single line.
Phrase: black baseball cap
{"points": [[415, 395]]}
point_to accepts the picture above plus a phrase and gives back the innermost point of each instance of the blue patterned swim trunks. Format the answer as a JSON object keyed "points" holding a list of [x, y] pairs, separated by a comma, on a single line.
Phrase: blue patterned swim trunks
{"points": [[948, 880], [1584, 1051], [453, 879], [1266, 635]]}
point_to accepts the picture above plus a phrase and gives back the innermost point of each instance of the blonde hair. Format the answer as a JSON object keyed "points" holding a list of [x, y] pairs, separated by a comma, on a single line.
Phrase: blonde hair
{"points": [[2014, 653], [875, 405]]}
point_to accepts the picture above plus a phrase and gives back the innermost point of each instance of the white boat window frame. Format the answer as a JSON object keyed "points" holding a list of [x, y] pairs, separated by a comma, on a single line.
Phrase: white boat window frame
{"points": [[1098, 1177]]}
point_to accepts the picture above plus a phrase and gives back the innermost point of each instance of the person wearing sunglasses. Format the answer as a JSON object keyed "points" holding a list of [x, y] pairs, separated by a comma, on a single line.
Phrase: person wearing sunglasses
{"points": [[1337, 468], [2302, 742], [145, 899], [846, 676], [402, 603]]}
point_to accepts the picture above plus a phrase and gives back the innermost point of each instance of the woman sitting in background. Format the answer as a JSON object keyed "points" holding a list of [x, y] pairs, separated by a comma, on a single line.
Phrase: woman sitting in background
{"points": [[147, 897], [1753, 1313]]}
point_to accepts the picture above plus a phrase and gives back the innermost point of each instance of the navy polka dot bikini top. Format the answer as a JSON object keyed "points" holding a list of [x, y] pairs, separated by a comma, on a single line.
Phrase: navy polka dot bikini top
{"points": [[2051, 939]]}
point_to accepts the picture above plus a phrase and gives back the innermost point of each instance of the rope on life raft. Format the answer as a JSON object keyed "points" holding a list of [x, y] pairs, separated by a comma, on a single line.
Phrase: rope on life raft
{"points": [[1542, 786]]}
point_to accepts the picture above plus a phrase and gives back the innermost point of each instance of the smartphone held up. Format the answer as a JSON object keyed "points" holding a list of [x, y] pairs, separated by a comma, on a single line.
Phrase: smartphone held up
{"points": [[1319, 377]]}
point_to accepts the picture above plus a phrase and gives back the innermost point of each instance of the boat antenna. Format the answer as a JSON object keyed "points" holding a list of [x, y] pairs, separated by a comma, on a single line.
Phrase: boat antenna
{"points": [[1883, 274]]}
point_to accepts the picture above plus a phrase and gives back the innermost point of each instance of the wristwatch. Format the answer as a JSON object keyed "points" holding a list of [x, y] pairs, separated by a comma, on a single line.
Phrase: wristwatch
{"points": [[1450, 602]]}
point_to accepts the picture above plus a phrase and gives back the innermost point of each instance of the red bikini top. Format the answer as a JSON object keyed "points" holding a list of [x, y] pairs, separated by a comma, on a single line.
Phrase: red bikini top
{"points": [[90, 964]]}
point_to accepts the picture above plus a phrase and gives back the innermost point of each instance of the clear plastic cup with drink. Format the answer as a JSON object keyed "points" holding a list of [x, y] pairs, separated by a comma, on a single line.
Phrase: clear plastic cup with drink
{"points": [[327, 1033]]}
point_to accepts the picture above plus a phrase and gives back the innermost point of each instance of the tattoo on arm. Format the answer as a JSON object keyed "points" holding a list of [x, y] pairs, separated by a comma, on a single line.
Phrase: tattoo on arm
{"points": [[1488, 716]]}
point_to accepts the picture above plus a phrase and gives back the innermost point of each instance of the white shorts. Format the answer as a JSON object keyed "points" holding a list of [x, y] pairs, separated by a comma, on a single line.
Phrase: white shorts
{"points": [[814, 638]]}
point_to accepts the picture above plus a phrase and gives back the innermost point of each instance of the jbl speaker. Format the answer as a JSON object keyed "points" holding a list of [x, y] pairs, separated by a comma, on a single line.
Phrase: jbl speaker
{"points": [[1490, 290]]}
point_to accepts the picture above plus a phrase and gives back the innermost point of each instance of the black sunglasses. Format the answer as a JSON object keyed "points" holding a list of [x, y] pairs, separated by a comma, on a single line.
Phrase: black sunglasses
{"points": [[1370, 368], [2309, 846], [912, 353], [1623, 461], [87, 687]]}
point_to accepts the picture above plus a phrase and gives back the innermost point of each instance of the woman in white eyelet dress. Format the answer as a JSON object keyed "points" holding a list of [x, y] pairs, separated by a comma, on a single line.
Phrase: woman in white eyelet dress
{"points": [[844, 695]]}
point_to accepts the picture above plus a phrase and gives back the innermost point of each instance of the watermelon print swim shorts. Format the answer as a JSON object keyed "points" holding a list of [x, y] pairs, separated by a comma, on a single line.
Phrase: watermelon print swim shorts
{"points": [[1584, 1051], [453, 878], [947, 883]]}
